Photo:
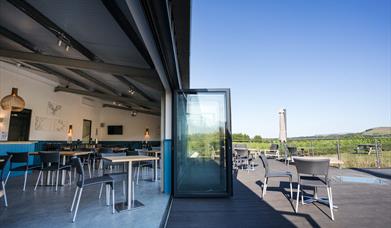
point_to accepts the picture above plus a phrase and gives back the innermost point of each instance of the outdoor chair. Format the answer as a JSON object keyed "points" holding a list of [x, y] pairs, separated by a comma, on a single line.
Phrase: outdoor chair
{"points": [[50, 162], [3, 164], [273, 151], [271, 174], [21, 159], [82, 183], [243, 159], [292, 152], [314, 173]]}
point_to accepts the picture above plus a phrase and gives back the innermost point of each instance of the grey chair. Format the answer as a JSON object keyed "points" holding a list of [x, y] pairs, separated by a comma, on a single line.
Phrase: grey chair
{"points": [[271, 174], [117, 176], [243, 158], [82, 182], [272, 151], [314, 173], [292, 151], [50, 162], [3, 164], [21, 159]]}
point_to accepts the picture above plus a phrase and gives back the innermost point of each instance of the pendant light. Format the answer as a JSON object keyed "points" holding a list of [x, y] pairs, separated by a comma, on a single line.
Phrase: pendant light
{"points": [[13, 102]]}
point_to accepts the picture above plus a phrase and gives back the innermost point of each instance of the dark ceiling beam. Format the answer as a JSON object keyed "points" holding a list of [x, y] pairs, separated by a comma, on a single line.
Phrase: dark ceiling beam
{"points": [[106, 97], [52, 27], [128, 29], [74, 63], [131, 85], [130, 109], [95, 81], [31, 47], [18, 39], [72, 42], [59, 75]]}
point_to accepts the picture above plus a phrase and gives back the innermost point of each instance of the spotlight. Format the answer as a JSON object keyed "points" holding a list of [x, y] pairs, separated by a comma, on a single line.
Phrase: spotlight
{"points": [[133, 113], [59, 43], [131, 91], [67, 48]]}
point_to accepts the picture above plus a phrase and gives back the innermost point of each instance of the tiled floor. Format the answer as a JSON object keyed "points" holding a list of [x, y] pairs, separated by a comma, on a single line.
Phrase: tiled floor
{"points": [[47, 208], [360, 205]]}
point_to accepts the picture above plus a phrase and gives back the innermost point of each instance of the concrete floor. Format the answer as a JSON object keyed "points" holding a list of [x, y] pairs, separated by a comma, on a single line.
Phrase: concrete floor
{"points": [[47, 208], [360, 205]]}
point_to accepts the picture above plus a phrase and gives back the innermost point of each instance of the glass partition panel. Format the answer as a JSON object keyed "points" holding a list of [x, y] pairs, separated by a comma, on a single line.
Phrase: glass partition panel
{"points": [[202, 143]]}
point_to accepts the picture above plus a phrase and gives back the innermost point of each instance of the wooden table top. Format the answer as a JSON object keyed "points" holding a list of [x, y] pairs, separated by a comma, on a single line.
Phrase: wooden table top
{"points": [[130, 158], [120, 148], [67, 153], [152, 151]]}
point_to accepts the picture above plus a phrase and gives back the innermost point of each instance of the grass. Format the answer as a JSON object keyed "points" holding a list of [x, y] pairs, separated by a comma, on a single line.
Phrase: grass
{"points": [[328, 147]]}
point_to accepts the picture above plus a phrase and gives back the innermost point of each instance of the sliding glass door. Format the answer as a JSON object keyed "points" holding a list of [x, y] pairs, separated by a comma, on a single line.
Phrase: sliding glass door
{"points": [[202, 143]]}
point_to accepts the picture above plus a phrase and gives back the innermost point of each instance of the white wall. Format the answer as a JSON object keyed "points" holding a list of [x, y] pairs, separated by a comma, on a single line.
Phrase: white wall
{"points": [[37, 91]]}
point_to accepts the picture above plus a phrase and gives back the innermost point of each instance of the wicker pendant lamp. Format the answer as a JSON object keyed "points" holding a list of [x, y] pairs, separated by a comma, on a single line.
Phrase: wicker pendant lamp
{"points": [[13, 102]]}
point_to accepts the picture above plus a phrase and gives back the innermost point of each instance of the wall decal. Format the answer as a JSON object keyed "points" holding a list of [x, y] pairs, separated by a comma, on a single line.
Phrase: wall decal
{"points": [[53, 108]]}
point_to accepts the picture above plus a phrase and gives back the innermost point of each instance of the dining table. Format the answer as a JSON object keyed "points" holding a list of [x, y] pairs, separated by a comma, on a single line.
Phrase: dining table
{"points": [[130, 202], [64, 154], [315, 198]]}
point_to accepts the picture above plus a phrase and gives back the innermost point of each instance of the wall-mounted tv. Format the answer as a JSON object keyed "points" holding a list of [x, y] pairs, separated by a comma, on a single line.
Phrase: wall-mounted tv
{"points": [[114, 130]]}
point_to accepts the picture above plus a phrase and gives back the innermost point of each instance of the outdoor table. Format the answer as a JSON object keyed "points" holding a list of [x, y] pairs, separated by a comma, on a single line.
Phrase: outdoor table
{"points": [[315, 198], [130, 202], [155, 154], [64, 154]]}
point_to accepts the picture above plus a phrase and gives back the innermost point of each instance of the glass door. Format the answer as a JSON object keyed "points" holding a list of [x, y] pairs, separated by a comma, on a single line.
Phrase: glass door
{"points": [[202, 143]]}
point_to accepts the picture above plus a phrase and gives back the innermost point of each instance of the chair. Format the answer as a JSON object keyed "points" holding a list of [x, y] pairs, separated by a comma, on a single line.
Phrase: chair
{"points": [[292, 151], [243, 159], [271, 174], [17, 158], [273, 151], [3, 164], [118, 176], [143, 165], [50, 161], [314, 173], [82, 183]]}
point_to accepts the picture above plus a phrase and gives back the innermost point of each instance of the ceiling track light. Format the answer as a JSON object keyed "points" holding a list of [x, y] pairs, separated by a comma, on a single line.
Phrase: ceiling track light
{"points": [[131, 91]]}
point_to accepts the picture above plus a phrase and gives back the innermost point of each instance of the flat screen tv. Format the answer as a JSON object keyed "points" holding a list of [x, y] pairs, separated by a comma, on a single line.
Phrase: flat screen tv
{"points": [[114, 130]]}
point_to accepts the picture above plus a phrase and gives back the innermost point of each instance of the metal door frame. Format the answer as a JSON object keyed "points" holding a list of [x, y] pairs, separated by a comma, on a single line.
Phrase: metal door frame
{"points": [[228, 143]]}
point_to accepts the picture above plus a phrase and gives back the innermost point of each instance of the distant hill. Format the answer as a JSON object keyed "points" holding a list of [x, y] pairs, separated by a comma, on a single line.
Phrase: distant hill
{"points": [[377, 131]]}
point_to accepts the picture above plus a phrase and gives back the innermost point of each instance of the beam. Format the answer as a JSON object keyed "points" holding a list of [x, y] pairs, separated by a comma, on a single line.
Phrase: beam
{"points": [[106, 97], [69, 40], [127, 28], [131, 85], [130, 109], [52, 27], [95, 81], [31, 47], [75, 63]]}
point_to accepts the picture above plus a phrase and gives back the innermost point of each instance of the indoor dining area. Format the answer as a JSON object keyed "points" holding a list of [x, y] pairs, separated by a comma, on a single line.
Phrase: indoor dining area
{"points": [[86, 111]]}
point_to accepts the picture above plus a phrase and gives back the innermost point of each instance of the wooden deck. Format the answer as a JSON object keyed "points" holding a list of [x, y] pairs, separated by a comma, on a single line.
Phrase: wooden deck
{"points": [[360, 205]]}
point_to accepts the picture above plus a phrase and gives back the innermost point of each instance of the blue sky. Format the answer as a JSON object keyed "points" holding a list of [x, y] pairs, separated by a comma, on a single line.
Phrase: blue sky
{"points": [[327, 62]]}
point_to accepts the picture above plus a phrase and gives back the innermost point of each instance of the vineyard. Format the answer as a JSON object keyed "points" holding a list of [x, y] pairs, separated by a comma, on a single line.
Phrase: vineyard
{"points": [[328, 147]]}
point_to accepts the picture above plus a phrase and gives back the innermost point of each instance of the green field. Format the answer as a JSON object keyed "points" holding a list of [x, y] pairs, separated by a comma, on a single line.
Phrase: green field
{"points": [[328, 147]]}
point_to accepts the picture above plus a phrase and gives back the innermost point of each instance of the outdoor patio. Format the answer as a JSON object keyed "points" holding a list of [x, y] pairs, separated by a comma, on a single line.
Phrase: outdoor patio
{"points": [[360, 205]]}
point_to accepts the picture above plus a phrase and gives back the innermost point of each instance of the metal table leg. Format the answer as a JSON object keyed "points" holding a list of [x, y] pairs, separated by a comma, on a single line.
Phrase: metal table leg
{"points": [[155, 168], [130, 202]]}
